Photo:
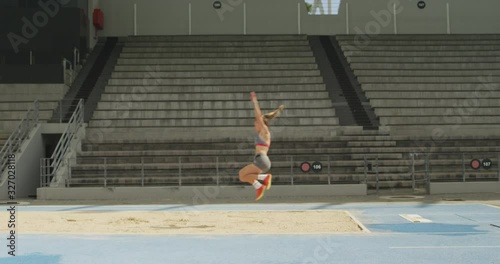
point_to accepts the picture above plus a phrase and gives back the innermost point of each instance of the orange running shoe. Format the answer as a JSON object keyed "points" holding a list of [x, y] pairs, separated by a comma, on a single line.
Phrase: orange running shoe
{"points": [[260, 192], [268, 180]]}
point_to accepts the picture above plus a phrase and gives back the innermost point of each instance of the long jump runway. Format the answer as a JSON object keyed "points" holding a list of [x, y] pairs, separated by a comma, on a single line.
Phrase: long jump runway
{"points": [[256, 233]]}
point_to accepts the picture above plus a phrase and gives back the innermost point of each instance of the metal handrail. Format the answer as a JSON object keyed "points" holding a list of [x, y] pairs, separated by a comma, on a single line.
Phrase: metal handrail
{"points": [[65, 63], [49, 166], [76, 57], [371, 169], [63, 106], [20, 134]]}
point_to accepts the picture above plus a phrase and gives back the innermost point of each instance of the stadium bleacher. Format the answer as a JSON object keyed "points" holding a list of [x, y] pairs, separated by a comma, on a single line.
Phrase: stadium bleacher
{"points": [[432, 81]]}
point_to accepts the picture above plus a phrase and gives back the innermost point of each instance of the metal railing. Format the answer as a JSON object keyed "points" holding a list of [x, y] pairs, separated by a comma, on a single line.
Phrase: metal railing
{"points": [[211, 170], [439, 166], [76, 58], [67, 70], [20, 134], [413, 171], [64, 106], [49, 166]]}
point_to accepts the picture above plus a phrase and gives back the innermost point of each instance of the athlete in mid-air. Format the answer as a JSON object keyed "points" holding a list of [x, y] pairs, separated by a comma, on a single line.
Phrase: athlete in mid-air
{"points": [[257, 170]]}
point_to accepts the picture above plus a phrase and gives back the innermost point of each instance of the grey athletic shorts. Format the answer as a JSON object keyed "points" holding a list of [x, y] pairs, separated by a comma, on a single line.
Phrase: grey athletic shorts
{"points": [[262, 162]]}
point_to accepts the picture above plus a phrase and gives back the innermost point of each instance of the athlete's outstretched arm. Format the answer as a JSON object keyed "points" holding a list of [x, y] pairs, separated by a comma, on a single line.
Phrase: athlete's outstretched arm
{"points": [[259, 122]]}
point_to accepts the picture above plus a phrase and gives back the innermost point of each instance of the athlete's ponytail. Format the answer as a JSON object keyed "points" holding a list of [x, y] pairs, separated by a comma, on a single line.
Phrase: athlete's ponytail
{"points": [[269, 116]]}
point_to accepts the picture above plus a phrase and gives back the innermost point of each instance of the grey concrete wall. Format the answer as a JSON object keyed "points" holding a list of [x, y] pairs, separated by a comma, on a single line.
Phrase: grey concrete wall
{"points": [[159, 17], [27, 166], [464, 187], [92, 32], [199, 194]]}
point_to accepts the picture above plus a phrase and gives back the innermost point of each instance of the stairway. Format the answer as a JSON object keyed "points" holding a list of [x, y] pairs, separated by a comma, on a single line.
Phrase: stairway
{"points": [[349, 92], [93, 76]]}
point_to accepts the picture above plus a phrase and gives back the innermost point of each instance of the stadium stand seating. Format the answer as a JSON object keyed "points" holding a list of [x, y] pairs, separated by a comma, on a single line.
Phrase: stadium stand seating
{"points": [[197, 82], [159, 83], [416, 81], [166, 92], [17, 99]]}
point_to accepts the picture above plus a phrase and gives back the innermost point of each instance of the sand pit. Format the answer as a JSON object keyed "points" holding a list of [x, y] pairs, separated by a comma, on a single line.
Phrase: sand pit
{"points": [[188, 222]]}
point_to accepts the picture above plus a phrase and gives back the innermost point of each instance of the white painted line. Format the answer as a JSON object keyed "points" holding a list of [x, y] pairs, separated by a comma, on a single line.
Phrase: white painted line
{"points": [[415, 218], [438, 247], [494, 206], [363, 227]]}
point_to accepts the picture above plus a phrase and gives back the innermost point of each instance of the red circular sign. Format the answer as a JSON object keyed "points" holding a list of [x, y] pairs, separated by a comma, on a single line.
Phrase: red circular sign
{"points": [[305, 166], [475, 164]]}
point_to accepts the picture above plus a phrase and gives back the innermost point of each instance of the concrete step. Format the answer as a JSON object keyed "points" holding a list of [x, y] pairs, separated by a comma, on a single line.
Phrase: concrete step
{"points": [[457, 59], [233, 161], [424, 37], [278, 138], [426, 79], [274, 54], [387, 112], [170, 114], [220, 144], [25, 106], [453, 103], [359, 133], [11, 125], [422, 73], [421, 48], [299, 153], [139, 91], [213, 122], [3, 139], [20, 115], [431, 95], [437, 176], [207, 97], [213, 105], [463, 129], [23, 98], [389, 156], [215, 67], [215, 61], [427, 86], [207, 133], [31, 90], [406, 170], [425, 66], [425, 53], [207, 180], [214, 49], [215, 74], [421, 42], [273, 43], [371, 144], [218, 81], [450, 120], [217, 38]]}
